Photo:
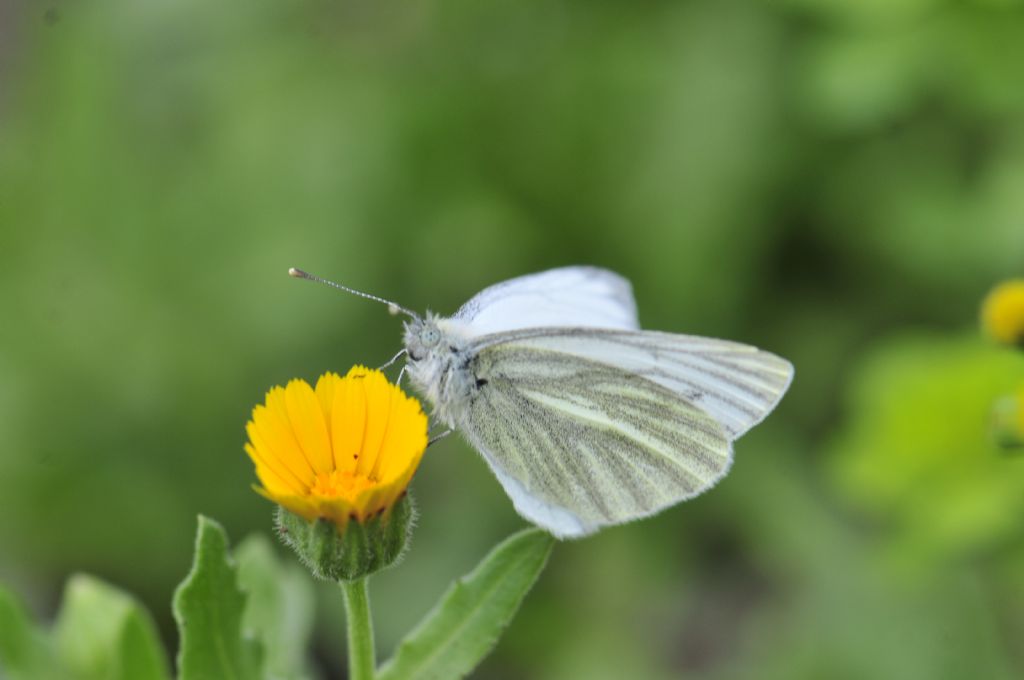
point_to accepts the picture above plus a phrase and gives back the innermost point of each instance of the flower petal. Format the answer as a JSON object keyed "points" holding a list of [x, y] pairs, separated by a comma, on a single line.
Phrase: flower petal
{"points": [[270, 473], [307, 418], [404, 441], [300, 505], [325, 391], [272, 433], [379, 393], [348, 422], [346, 449]]}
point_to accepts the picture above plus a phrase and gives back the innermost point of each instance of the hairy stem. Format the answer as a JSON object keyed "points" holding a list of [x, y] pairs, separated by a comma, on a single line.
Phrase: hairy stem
{"points": [[361, 660]]}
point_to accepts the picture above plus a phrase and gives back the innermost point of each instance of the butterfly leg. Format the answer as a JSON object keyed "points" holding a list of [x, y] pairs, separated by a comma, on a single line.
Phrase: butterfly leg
{"points": [[392, 360], [439, 437]]}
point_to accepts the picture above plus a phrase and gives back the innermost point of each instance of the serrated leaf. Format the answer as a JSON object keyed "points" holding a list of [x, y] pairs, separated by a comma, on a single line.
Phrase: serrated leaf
{"points": [[279, 607], [459, 632], [24, 652], [103, 633], [208, 608]]}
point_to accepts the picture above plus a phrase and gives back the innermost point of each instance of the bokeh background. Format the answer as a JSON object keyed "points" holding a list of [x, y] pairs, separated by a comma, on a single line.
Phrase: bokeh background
{"points": [[839, 181]]}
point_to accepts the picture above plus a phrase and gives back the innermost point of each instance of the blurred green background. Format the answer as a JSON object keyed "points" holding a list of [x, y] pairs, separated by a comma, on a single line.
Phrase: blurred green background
{"points": [[839, 181]]}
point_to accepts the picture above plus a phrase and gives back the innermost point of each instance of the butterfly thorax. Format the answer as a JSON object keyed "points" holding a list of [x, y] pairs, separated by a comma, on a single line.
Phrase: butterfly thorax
{"points": [[438, 363]]}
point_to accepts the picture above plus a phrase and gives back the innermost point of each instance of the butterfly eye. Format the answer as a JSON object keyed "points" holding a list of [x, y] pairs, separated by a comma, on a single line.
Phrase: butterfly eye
{"points": [[430, 337]]}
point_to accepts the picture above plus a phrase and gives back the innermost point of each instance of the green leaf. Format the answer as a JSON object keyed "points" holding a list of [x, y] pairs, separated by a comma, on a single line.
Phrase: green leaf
{"points": [[915, 451], [463, 627], [279, 607], [208, 608], [103, 633], [24, 653]]}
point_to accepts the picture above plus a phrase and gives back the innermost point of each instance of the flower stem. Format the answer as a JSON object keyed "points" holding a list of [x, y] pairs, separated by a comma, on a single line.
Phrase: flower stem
{"points": [[361, 661]]}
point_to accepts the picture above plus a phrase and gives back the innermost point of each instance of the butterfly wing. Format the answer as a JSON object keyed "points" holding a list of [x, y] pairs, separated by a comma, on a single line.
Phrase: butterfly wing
{"points": [[579, 445], [591, 427], [736, 384], [569, 296]]}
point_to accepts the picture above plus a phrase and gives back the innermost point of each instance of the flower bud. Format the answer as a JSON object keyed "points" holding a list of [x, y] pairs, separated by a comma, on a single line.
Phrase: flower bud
{"points": [[1002, 313], [358, 549], [338, 460]]}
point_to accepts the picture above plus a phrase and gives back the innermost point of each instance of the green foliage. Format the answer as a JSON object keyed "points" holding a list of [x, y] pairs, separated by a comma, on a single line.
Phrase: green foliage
{"points": [[103, 634], [208, 607], [100, 634], [242, 616], [881, 616], [817, 177], [917, 452], [24, 650], [278, 607], [463, 627], [253, 620]]}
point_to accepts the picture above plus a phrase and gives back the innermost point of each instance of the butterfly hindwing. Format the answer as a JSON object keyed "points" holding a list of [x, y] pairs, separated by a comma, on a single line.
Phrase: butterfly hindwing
{"points": [[578, 444]]}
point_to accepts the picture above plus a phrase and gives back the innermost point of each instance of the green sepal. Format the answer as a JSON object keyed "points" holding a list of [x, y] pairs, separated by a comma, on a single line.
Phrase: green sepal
{"points": [[359, 550], [208, 608], [460, 631]]}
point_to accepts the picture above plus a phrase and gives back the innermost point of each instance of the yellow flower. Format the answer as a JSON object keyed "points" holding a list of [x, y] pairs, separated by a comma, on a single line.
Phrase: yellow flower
{"points": [[1002, 313], [346, 450]]}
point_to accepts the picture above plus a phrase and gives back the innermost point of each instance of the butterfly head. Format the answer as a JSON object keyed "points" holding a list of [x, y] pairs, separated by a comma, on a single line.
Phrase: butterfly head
{"points": [[439, 355], [422, 337]]}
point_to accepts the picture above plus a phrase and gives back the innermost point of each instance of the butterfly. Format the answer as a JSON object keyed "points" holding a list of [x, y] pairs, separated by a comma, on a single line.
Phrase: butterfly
{"points": [[585, 419]]}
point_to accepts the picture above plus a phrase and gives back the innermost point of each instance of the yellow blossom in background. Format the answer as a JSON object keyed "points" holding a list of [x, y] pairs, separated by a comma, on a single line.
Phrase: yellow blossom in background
{"points": [[345, 450], [1002, 313]]}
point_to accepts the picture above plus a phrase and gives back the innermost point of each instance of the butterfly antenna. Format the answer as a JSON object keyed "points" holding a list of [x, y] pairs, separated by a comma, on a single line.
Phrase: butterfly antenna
{"points": [[393, 307]]}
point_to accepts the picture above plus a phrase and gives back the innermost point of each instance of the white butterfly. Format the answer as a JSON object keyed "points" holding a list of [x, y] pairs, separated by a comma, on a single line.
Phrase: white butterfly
{"points": [[586, 420]]}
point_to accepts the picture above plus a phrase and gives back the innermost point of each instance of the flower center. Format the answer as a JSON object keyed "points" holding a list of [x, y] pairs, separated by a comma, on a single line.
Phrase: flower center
{"points": [[337, 484]]}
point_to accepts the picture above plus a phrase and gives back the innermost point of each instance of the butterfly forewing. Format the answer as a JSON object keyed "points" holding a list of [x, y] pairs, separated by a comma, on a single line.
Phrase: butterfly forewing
{"points": [[569, 296], [736, 384], [579, 444]]}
